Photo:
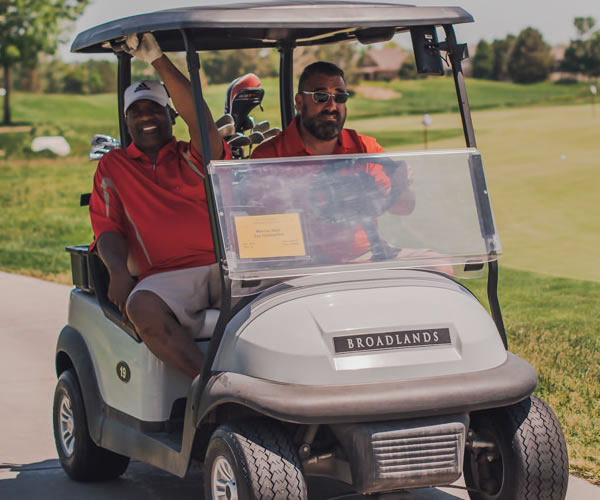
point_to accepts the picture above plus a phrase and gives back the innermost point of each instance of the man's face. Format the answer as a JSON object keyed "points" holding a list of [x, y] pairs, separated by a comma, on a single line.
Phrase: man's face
{"points": [[323, 121], [149, 124]]}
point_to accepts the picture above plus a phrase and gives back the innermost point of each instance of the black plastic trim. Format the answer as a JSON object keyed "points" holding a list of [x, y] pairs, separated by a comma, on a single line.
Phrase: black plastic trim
{"points": [[72, 344], [123, 81], [504, 385]]}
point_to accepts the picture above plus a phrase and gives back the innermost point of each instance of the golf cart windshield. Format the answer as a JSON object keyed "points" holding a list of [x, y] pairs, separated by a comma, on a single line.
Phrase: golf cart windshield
{"points": [[298, 216]]}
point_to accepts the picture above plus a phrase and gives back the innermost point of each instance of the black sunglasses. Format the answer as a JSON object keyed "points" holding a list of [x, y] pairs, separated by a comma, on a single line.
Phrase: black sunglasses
{"points": [[322, 97]]}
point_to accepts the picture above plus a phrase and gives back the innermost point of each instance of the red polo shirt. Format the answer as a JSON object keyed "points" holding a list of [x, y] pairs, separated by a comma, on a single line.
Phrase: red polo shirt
{"points": [[352, 242], [159, 208], [289, 143]]}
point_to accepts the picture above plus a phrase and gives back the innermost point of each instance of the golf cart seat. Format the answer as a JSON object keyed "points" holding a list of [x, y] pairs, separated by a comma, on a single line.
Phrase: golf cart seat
{"points": [[90, 275]]}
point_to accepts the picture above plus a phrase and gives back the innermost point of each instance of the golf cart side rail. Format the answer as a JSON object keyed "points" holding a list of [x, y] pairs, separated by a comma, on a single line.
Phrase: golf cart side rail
{"points": [[504, 385]]}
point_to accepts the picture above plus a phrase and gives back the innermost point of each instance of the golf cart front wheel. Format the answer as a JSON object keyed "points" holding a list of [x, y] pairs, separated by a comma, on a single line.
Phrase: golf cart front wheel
{"points": [[252, 461], [523, 457], [80, 458]]}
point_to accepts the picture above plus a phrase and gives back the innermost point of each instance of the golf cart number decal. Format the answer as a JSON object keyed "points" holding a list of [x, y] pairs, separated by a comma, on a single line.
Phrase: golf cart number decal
{"points": [[123, 371], [392, 340]]}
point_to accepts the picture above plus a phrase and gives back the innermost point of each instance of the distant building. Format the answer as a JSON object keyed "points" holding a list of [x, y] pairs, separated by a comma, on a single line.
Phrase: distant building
{"points": [[382, 64], [558, 54]]}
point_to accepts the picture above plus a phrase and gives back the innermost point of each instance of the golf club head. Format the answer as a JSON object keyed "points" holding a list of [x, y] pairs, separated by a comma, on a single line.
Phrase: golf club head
{"points": [[272, 132], [256, 137], [246, 124], [98, 152], [100, 139], [227, 130], [261, 126], [238, 141], [226, 119]]}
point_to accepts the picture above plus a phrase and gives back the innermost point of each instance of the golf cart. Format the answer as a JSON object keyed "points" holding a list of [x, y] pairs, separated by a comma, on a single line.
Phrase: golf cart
{"points": [[380, 370]]}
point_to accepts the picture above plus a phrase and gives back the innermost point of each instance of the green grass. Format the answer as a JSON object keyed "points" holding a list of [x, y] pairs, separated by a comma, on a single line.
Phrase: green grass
{"points": [[553, 323], [41, 215]]}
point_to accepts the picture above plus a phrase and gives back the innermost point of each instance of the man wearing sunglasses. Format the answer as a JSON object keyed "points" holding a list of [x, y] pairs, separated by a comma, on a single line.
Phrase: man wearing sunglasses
{"points": [[319, 127], [319, 130]]}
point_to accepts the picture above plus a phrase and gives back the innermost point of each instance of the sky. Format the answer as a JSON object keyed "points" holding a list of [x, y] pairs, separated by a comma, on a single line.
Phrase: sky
{"points": [[493, 18]]}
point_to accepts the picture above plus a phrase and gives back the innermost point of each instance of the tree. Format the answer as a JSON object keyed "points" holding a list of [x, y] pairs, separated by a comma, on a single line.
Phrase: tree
{"points": [[483, 62], [31, 28], [583, 54], [502, 50], [530, 60]]}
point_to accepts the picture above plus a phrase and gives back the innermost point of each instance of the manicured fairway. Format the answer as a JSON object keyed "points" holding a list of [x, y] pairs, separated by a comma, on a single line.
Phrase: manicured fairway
{"points": [[543, 172]]}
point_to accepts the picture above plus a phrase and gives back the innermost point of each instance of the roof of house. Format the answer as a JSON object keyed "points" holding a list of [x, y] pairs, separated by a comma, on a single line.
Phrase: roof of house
{"points": [[387, 59]]}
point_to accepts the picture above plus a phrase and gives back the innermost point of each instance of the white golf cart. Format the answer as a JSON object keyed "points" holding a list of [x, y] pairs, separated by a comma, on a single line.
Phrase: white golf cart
{"points": [[379, 369]]}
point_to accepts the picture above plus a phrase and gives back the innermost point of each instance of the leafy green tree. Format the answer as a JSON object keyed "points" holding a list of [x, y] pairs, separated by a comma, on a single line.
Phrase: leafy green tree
{"points": [[583, 54], [483, 61], [530, 60], [31, 28], [502, 50]]}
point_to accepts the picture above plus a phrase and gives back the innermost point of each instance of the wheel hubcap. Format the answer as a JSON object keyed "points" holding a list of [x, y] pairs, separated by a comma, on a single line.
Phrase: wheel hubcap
{"points": [[223, 480], [67, 426]]}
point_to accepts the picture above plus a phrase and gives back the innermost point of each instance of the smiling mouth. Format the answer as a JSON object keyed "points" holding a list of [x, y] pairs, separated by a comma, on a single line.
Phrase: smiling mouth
{"points": [[149, 128]]}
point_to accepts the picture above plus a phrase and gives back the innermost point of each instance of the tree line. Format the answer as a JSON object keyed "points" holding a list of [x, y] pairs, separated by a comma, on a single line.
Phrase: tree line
{"points": [[526, 58]]}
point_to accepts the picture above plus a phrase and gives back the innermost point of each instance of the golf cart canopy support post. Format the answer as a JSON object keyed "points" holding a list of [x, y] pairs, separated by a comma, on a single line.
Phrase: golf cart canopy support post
{"points": [[193, 63], [286, 84], [123, 81], [454, 55]]}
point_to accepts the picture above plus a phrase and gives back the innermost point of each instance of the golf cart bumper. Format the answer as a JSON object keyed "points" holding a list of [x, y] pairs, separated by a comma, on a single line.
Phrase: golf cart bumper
{"points": [[509, 383]]}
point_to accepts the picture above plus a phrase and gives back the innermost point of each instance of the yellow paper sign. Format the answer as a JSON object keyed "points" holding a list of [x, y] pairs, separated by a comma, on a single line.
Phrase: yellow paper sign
{"points": [[265, 236]]}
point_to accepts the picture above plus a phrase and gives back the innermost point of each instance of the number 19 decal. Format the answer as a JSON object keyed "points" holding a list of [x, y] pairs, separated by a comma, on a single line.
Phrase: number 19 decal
{"points": [[123, 371]]}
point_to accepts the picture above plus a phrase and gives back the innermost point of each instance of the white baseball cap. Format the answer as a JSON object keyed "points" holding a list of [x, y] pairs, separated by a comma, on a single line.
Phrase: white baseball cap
{"points": [[146, 89]]}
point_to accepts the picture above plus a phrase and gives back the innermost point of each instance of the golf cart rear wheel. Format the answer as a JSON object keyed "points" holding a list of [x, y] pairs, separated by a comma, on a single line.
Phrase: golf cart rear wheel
{"points": [[252, 460], [80, 458], [529, 459]]}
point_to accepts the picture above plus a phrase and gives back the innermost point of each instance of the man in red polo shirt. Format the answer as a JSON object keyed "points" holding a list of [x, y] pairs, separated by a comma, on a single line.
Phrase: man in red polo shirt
{"points": [[148, 207], [319, 130]]}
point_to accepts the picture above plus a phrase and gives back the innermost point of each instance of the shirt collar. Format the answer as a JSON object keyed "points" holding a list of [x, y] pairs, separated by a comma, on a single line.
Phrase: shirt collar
{"points": [[134, 152]]}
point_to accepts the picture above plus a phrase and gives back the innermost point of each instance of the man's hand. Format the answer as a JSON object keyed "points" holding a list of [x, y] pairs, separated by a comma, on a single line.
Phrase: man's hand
{"points": [[119, 289], [146, 50]]}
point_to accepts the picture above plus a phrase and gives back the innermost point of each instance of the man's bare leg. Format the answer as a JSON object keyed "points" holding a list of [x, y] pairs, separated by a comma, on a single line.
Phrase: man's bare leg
{"points": [[161, 332]]}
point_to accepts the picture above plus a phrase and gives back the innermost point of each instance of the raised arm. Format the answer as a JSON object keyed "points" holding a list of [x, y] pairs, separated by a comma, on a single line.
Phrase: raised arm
{"points": [[180, 90]]}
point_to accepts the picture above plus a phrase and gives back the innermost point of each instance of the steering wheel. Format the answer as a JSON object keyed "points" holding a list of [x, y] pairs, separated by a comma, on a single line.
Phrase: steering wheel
{"points": [[345, 193]]}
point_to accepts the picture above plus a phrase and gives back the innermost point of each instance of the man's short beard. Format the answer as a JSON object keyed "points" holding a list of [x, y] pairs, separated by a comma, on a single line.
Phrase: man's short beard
{"points": [[323, 130]]}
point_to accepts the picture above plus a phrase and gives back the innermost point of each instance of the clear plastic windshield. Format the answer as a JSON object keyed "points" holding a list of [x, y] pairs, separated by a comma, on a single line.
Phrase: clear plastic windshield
{"points": [[288, 217]]}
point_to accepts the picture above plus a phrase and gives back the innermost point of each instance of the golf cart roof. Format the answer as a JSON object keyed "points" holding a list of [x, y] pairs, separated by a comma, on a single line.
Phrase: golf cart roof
{"points": [[235, 24]]}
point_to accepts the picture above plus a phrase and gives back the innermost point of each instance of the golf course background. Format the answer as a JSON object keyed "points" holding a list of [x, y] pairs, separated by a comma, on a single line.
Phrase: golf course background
{"points": [[540, 146]]}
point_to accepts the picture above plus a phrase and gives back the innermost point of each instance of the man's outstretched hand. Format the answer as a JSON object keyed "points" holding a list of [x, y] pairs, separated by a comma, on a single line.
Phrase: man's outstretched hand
{"points": [[146, 49]]}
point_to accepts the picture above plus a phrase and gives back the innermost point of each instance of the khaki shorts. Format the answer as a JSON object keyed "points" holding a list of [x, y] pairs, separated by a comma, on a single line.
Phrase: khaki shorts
{"points": [[187, 292]]}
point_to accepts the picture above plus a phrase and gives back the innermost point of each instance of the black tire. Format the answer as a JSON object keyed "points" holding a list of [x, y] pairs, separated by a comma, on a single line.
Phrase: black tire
{"points": [[530, 461], [255, 458], [80, 458]]}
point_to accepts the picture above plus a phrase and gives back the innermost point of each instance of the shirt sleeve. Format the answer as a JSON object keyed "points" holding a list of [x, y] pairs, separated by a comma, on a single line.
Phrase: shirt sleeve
{"points": [[106, 209], [198, 157], [371, 144]]}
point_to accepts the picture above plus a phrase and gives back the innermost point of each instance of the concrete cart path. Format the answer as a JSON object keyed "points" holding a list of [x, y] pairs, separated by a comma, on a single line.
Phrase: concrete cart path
{"points": [[32, 313]]}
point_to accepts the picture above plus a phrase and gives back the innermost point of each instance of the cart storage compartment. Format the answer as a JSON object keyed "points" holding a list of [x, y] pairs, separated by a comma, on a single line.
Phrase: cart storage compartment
{"points": [[80, 267]]}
